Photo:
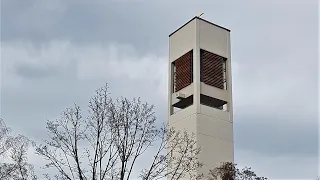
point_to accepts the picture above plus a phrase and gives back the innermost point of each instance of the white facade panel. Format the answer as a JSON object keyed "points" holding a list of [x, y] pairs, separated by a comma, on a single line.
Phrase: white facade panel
{"points": [[216, 113], [187, 91], [214, 92], [213, 127], [218, 128], [213, 39], [182, 114], [182, 41], [214, 151], [188, 124]]}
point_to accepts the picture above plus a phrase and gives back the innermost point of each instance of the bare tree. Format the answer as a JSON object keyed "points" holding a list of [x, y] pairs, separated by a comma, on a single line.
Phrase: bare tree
{"points": [[229, 171], [13, 152], [178, 161], [112, 139], [5, 143]]}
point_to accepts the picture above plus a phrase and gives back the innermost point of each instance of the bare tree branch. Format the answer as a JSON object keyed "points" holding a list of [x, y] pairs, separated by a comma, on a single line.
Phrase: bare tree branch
{"points": [[113, 137], [228, 171], [13, 152]]}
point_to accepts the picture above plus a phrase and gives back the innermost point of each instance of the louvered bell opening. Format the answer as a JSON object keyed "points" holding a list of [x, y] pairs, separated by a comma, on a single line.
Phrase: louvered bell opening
{"points": [[212, 69], [183, 76], [213, 73]]}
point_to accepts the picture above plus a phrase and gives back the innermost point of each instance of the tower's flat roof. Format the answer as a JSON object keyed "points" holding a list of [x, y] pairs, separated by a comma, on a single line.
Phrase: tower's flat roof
{"points": [[196, 17]]}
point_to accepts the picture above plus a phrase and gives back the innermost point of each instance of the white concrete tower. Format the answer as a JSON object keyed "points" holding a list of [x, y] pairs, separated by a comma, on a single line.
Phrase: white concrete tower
{"points": [[200, 88]]}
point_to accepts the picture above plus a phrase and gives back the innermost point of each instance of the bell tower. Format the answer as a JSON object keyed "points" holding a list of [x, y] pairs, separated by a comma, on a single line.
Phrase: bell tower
{"points": [[200, 89]]}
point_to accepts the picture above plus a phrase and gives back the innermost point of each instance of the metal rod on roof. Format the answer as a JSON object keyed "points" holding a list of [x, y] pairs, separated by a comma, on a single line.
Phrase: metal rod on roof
{"points": [[200, 14]]}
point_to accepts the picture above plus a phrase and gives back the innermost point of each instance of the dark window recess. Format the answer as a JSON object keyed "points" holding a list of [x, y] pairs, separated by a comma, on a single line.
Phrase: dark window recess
{"points": [[183, 75], [212, 71], [184, 103], [212, 102]]}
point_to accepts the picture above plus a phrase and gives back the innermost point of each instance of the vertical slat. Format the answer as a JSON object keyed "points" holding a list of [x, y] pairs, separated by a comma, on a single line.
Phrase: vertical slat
{"points": [[212, 69], [183, 75]]}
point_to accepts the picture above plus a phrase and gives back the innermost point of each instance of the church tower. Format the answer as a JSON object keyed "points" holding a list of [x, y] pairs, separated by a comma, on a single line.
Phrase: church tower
{"points": [[200, 89]]}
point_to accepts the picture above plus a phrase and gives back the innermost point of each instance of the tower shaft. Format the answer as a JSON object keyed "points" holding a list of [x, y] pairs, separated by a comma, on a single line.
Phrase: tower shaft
{"points": [[200, 89]]}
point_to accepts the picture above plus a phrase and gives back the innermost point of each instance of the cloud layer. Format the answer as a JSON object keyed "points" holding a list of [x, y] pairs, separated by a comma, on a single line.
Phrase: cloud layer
{"points": [[55, 53]]}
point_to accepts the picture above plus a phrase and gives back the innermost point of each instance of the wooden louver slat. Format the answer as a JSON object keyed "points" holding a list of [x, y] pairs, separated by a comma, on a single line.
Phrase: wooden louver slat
{"points": [[212, 69], [183, 76]]}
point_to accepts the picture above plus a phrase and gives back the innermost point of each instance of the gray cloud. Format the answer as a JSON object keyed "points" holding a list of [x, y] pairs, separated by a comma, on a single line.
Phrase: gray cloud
{"points": [[274, 58], [271, 137], [28, 71]]}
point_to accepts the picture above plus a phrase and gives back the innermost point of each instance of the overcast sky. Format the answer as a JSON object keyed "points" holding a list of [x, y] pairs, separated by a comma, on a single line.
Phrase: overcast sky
{"points": [[57, 52]]}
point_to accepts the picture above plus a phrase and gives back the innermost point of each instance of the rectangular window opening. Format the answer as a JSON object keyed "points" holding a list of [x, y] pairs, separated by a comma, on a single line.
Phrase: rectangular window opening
{"points": [[213, 69], [213, 102]]}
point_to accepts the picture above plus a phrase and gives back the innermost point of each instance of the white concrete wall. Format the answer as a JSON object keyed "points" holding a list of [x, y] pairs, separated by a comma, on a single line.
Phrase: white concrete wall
{"points": [[214, 128], [214, 92], [187, 91], [182, 41], [215, 113], [213, 39], [188, 123], [215, 151], [215, 138], [183, 113]]}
